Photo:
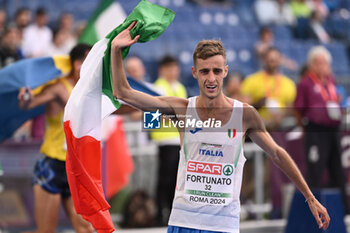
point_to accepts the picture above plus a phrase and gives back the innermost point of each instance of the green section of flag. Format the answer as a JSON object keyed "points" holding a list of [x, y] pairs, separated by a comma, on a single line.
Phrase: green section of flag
{"points": [[152, 20], [208, 194], [89, 34]]}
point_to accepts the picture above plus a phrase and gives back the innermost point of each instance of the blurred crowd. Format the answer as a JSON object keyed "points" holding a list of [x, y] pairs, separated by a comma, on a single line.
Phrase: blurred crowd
{"points": [[282, 103]]}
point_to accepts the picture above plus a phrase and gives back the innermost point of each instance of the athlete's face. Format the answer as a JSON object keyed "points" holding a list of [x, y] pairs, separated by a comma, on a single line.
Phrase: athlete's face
{"points": [[210, 74]]}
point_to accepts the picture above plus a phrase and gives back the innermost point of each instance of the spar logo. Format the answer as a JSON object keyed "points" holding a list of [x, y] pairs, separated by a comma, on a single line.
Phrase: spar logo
{"points": [[206, 168], [228, 170]]}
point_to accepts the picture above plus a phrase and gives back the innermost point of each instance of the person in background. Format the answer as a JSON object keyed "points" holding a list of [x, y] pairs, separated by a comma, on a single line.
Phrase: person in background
{"points": [[10, 47], [3, 19], [66, 23], [59, 44], [277, 12], [50, 182], [168, 140], [134, 68], [302, 12], [232, 88], [320, 7], [271, 91], [267, 41], [22, 19], [37, 37], [316, 29], [317, 108]]}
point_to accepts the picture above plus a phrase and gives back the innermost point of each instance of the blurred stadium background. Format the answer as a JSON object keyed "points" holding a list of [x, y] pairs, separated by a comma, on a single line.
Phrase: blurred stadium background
{"points": [[235, 22]]}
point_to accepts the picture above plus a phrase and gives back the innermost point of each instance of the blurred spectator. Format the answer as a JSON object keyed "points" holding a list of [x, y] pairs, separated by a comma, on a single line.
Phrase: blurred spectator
{"points": [[168, 140], [37, 37], [318, 111], [320, 7], [276, 12], [272, 93], [302, 12], [233, 87], [316, 29], [3, 18], [270, 90], [60, 44], [66, 23], [265, 42], [134, 68], [9, 47], [300, 9], [22, 19]]}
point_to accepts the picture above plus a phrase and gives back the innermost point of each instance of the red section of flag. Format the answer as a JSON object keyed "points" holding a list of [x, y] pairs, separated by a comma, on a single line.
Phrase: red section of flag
{"points": [[83, 166], [119, 163]]}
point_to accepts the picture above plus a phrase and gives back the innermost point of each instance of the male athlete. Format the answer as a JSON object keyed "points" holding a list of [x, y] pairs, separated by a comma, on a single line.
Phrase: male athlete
{"points": [[208, 184], [50, 178]]}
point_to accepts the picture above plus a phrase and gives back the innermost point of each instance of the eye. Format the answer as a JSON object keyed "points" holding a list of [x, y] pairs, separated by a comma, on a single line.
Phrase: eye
{"points": [[217, 71], [204, 71]]}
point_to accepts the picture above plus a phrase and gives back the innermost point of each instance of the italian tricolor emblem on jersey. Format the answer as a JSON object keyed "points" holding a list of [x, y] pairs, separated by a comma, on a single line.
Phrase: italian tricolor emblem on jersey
{"points": [[231, 133]]}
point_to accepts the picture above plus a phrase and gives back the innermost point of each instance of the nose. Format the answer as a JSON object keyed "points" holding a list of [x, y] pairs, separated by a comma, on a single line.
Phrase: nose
{"points": [[211, 76]]}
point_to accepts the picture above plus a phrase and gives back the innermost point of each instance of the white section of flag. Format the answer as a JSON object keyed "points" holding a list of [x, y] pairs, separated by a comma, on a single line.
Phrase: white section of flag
{"points": [[105, 23], [84, 107]]}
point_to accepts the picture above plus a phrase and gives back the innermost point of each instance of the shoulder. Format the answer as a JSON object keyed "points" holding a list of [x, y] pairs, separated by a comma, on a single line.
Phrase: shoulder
{"points": [[253, 76], [288, 82], [252, 119], [249, 112]]}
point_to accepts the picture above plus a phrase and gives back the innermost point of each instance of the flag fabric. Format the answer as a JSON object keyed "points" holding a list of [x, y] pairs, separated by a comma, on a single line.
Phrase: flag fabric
{"points": [[108, 14], [32, 73], [92, 100], [117, 163]]}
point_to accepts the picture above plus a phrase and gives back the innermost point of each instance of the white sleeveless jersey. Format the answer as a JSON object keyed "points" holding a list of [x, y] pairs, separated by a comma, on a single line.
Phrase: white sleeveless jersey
{"points": [[210, 175]]}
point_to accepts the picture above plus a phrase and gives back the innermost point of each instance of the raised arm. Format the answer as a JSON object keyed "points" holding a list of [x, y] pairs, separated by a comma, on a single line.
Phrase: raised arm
{"points": [[255, 129], [26, 99], [121, 87]]}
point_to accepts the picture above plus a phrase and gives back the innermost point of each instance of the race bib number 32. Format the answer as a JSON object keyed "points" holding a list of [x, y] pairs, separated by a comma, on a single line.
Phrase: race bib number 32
{"points": [[209, 183]]}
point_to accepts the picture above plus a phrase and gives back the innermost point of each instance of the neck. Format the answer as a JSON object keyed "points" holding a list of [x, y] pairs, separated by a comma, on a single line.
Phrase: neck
{"points": [[321, 77], [271, 72], [73, 77], [211, 104]]}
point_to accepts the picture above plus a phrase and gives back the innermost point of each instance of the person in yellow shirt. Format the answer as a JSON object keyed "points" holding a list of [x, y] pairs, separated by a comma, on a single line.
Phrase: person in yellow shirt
{"points": [[271, 91], [50, 178], [168, 139]]}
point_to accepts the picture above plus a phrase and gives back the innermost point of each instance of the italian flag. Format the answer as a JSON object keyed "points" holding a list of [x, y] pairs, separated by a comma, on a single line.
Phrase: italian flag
{"points": [[231, 133], [90, 102], [107, 15]]}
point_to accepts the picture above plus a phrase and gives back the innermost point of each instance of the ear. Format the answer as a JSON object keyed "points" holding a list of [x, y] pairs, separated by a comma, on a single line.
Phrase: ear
{"points": [[225, 71], [194, 72]]}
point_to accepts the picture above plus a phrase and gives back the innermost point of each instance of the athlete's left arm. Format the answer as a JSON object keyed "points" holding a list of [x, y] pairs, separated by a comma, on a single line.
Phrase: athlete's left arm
{"points": [[255, 129]]}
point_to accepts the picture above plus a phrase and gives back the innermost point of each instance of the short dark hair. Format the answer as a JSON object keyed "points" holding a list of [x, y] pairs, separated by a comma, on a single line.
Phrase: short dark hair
{"points": [[21, 10], [167, 60], [79, 51], [271, 49], [264, 30], [40, 11]]}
